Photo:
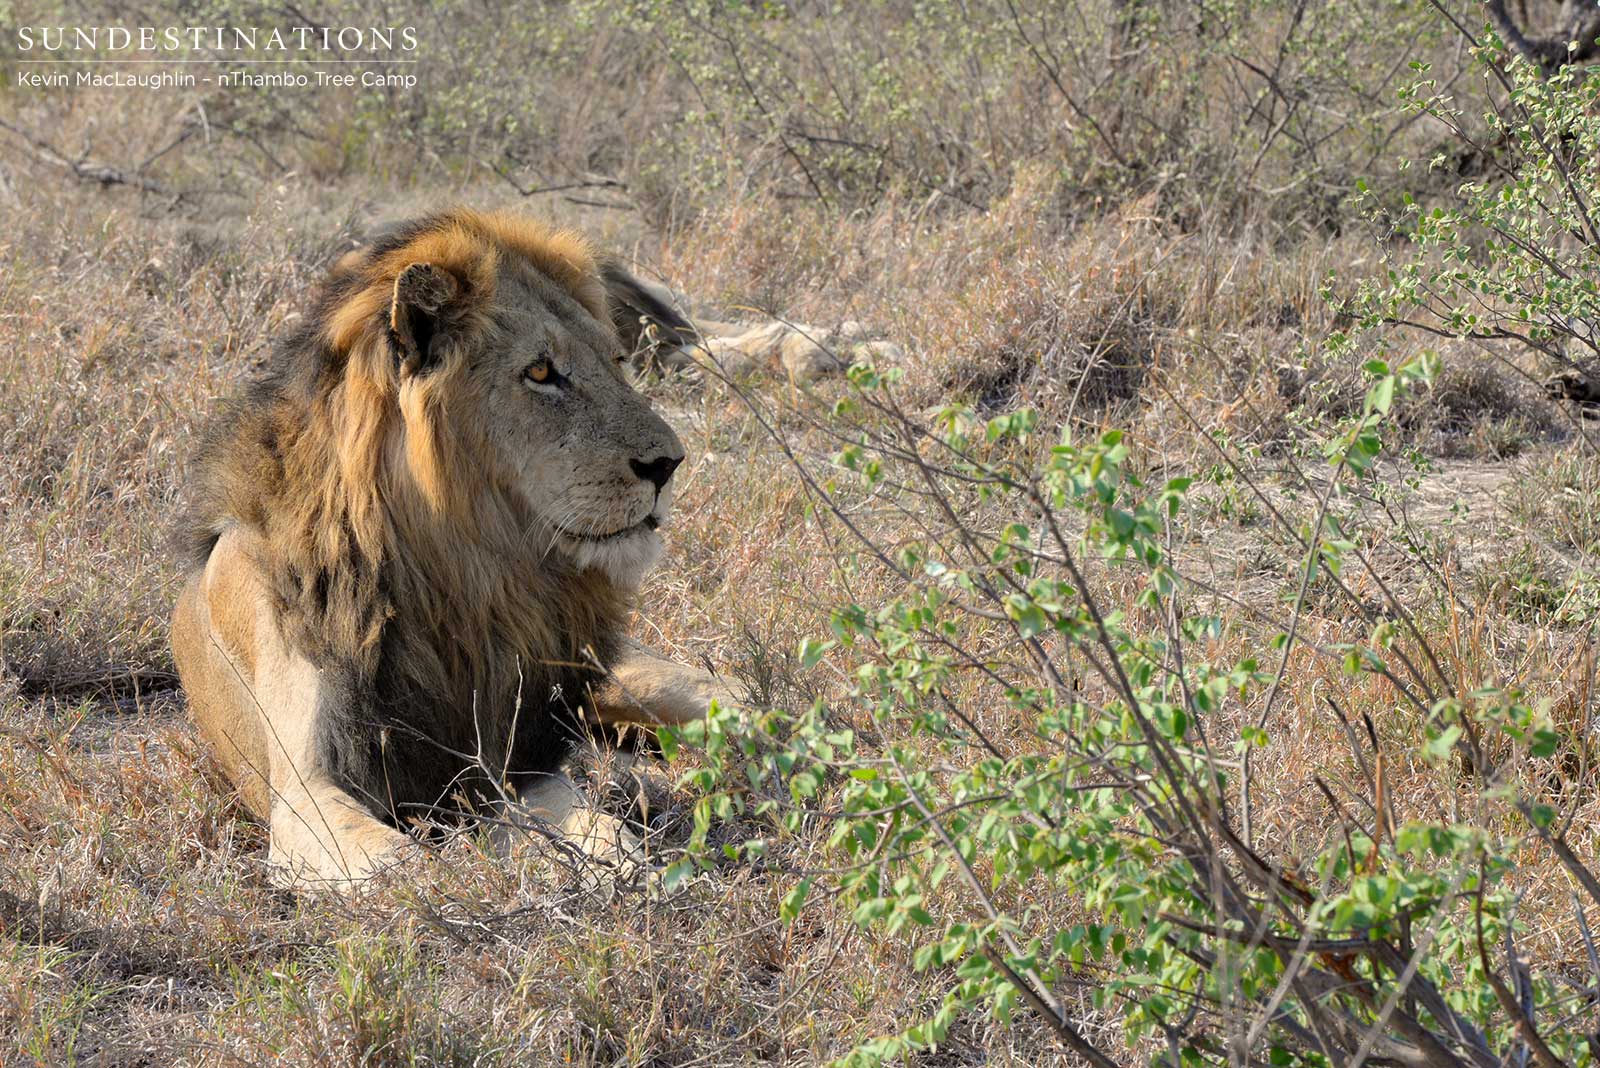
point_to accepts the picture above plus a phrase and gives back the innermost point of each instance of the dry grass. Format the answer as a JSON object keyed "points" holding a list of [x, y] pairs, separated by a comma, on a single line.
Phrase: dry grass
{"points": [[136, 922]]}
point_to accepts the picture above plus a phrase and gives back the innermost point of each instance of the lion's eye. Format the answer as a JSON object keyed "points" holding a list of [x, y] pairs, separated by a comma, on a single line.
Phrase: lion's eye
{"points": [[542, 372]]}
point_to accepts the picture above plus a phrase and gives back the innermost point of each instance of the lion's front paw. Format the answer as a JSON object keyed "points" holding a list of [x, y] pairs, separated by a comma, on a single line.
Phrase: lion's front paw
{"points": [[340, 862]]}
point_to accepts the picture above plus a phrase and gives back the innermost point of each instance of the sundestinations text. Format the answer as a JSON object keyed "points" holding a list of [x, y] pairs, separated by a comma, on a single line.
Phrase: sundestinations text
{"points": [[32, 39]]}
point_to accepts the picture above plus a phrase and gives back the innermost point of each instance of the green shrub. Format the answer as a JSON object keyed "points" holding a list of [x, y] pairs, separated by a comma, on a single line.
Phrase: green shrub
{"points": [[1099, 830], [1074, 830], [1512, 256]]}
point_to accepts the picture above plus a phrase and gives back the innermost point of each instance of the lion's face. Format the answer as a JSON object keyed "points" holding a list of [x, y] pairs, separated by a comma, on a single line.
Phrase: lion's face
{"points": [[591, 458], [532, 377]]}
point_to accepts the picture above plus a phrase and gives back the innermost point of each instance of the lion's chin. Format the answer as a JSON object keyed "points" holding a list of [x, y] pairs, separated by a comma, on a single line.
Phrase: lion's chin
{"points": [[623, 559]]}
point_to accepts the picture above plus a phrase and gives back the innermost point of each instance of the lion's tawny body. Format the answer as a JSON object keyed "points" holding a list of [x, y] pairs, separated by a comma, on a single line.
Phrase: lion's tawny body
{"points": [[415, 539]]}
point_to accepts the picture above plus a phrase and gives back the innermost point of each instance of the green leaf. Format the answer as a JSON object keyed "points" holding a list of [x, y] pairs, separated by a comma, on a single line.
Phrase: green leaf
{"points": [[1381, 396], [793, 901], [812, 652], [1437, 750]]}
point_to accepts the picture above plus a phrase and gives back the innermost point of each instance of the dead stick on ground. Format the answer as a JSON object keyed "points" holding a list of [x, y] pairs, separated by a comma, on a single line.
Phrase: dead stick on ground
{"points": [[83, 168]]}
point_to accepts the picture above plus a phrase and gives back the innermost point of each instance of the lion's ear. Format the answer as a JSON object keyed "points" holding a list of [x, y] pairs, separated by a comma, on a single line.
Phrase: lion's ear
{"points": [[421, 292], [634, 305]]}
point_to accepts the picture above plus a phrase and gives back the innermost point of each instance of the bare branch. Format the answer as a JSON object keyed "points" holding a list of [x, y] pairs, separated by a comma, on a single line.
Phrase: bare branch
{"points": [[1578, 40], [83, 168]]}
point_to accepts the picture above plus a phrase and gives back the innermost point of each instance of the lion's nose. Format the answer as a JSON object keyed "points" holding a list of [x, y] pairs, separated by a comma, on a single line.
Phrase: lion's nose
{"points": [[657, 471]]}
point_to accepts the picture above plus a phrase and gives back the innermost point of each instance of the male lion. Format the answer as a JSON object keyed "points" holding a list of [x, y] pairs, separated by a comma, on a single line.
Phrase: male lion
{"points": [[415, 539]]}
